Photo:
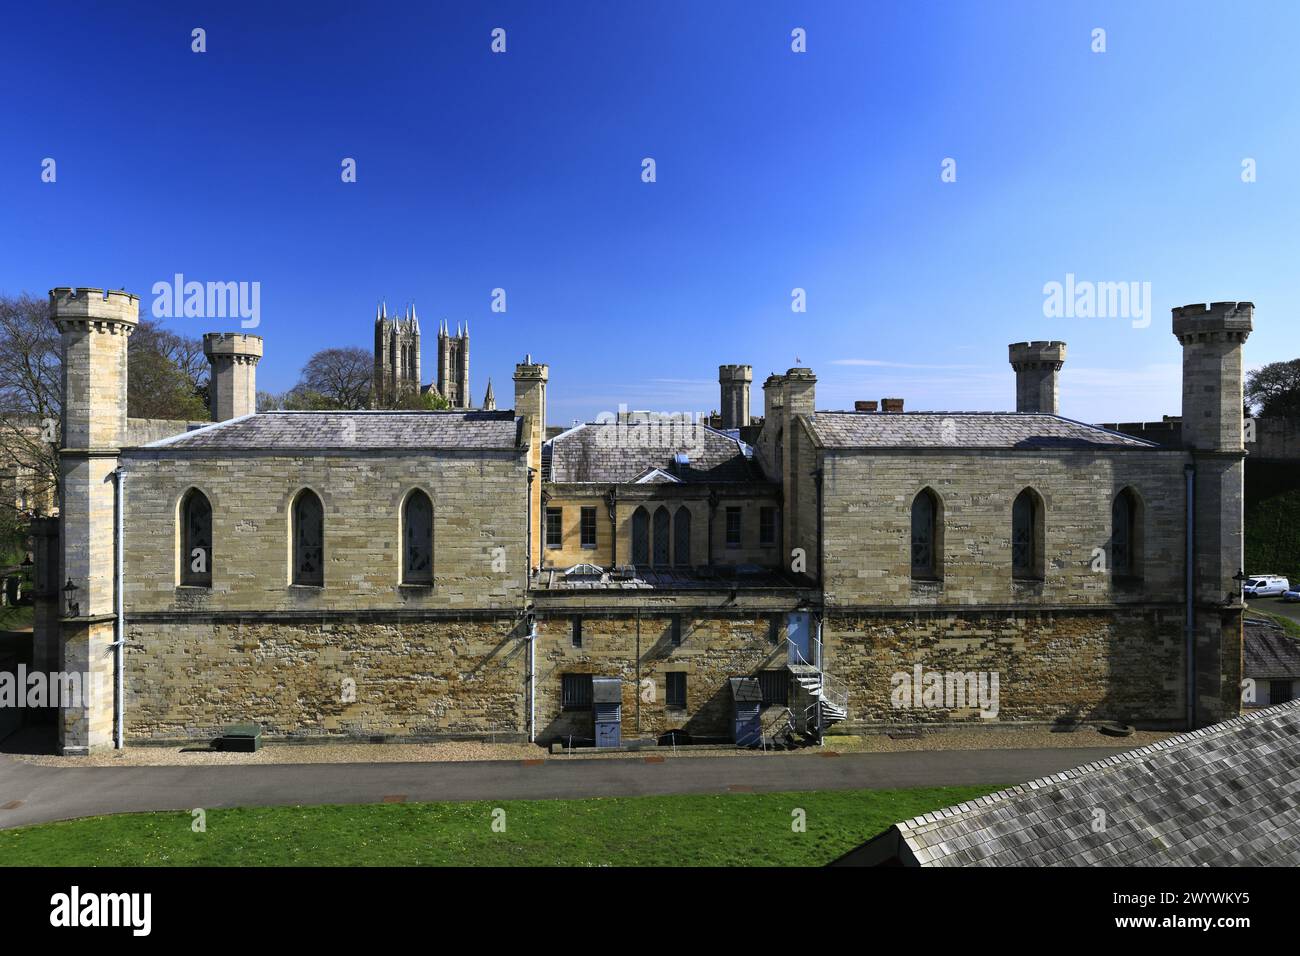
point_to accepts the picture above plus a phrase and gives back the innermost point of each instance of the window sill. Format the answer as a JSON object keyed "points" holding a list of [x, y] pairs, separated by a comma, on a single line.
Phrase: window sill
{"points": [[416, 586], [194, 587], [306, 587]]}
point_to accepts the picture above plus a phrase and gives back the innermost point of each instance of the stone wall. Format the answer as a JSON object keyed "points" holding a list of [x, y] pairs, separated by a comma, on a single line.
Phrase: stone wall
{"points": [[868, 500], [478, 500], [410, 679], [713, 649], [1100, 665]]}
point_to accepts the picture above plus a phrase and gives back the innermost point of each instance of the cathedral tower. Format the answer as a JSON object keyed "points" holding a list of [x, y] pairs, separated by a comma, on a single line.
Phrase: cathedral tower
{"points": [[397, 356], [453, 366]]}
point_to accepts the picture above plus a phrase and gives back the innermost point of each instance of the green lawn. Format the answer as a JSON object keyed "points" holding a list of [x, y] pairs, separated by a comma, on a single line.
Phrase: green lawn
{"points": [[695, 830]]}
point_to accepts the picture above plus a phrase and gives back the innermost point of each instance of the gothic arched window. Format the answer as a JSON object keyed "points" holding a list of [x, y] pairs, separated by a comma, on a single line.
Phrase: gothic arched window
{"points": [[308, 540], [640, 536], [417, 539], [925, 535], [1027, 536], [682, 537], [1125, 537], [196, 540], [662, 522]]}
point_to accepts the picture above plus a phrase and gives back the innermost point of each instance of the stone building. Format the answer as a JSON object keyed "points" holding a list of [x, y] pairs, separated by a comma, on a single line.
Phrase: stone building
{"points": [[397, 356], [417, 575]]}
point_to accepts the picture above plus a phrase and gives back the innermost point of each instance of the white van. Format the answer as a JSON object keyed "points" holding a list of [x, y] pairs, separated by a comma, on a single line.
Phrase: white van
{"points": [[1264, 585]]}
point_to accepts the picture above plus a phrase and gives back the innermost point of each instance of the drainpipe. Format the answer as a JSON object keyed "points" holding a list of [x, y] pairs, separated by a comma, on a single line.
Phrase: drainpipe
{"points": [[1189, 637], [528, 531], [119, 648], [532, 679]]}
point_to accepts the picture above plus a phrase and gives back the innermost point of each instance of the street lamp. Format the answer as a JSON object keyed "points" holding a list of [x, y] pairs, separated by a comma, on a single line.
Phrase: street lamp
{"points": [[72, 607]]}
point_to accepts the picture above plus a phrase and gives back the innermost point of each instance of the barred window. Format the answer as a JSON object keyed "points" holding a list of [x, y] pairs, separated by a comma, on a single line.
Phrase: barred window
{"points": [[775, 687], [924, 512], [1124, 535], [1026, 536], [196, 540], [676, 690], [308, 540], [417, 539], [575, 691]]}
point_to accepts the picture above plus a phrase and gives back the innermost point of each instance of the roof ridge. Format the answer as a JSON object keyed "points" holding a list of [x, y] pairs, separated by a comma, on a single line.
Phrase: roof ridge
{"points": [[202, 429]]}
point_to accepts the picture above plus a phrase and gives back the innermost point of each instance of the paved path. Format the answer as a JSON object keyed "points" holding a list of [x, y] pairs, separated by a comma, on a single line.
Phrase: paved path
{"points": [[37, 794]]}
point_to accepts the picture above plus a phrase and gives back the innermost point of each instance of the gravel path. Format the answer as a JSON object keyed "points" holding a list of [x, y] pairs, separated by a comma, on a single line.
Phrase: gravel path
{"points": [[461, 751]]}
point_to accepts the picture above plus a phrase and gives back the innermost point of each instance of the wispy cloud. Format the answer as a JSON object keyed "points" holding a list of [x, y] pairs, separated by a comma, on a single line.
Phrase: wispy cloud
{"points": [[878, 363]]}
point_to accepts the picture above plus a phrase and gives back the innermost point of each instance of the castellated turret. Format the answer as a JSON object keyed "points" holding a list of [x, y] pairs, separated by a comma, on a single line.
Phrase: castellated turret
{"points": [[734, 381], [1037, 366], [232, 387], [94, 325], [1212, 337], [530, 404]]}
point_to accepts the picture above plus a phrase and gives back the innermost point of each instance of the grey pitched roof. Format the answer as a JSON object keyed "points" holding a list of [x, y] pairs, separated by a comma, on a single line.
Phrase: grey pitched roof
{"points": [[1034, 430], [617, 452], [1269, 653], [340, 430], [1226, 795]]}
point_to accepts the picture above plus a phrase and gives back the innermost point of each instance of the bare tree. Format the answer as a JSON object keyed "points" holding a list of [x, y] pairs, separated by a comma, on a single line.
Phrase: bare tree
{"points": [[335, 378], [31, 394]]}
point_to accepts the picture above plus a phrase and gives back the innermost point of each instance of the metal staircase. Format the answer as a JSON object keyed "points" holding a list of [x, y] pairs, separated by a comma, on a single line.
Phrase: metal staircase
{"points": [[829, 697]]}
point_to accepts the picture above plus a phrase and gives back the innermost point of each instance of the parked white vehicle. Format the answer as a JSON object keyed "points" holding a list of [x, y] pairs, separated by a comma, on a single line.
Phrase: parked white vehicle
{"points": [[1265, 585]]}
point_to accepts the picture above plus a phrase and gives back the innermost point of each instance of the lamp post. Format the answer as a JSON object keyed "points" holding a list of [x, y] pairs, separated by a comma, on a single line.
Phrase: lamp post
{"points": [[72, 608]]}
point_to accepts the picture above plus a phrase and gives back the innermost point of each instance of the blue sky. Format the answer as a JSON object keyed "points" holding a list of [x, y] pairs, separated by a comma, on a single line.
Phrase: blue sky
{"points": [[775, 170]]}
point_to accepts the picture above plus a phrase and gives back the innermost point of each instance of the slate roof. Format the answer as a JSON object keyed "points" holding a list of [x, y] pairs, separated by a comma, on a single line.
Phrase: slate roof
{"points": [[271, 431], [1033, 430], [1269, 653], [622, 452], [1225, 795]]}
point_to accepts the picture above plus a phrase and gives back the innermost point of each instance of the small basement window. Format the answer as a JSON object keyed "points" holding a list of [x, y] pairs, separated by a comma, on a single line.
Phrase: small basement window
{"points": [[575, 691], [676, 690]]}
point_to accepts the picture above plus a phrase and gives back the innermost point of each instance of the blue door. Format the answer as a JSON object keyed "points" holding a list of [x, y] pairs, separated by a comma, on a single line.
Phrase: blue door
{"points": [[749, 728], [608, 718], [798, 628]]}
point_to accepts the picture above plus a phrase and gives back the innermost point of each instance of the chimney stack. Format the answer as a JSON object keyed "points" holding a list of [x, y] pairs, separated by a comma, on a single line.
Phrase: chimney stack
{"points": [[1037, 365], [891, 404]]}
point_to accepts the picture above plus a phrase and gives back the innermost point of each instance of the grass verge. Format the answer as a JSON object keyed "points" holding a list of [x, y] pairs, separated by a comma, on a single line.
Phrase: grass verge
{"points": [[685, 830]]}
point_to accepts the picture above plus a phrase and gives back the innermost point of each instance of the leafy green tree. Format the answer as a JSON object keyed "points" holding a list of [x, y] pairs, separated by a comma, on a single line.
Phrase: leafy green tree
{"points": [[1274, 390]]}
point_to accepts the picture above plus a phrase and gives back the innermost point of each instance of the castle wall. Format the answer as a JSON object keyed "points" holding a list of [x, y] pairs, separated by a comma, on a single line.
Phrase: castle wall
{"points": [[1051, 665], [868, 500], [362, 494], [337, 676]]}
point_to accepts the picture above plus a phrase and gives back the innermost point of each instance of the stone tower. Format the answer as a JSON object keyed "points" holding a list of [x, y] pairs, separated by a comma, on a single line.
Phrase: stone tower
{"points": [[734, 382], [94, 325], [1212, 337], [489, 399], [453, 366], [232, 386], [1037, 366], [397, 356], [530, 404]]}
